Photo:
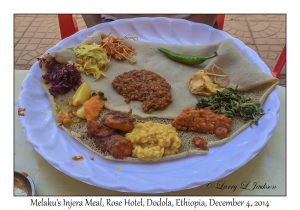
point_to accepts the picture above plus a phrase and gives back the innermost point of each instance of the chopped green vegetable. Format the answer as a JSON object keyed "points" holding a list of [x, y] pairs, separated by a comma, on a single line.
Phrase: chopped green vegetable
{"points": [[150, 111], [100, 94], [232, 104]]}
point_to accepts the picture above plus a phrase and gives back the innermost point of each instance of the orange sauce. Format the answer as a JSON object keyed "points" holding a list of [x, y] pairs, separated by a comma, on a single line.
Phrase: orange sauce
{"points": [[77, 158]]}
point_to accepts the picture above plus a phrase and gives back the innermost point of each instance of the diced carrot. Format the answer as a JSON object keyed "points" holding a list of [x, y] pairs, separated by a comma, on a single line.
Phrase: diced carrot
{"points": [[79, 60], [93, 107], [107, 49], [118, 56], [115, 48], [120, 49]]}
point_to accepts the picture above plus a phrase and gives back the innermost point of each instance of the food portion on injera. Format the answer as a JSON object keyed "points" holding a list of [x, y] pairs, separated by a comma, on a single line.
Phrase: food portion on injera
{"points": [[243, 75]]}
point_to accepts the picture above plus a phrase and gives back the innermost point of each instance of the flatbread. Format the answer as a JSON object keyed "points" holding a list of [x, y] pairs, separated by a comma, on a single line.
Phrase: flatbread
{"points": [[244, 76]]}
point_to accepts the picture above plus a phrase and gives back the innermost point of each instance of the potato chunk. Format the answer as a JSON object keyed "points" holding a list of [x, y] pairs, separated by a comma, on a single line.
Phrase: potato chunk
{"points": [[80, 112], [82, 94], [202, 84]]}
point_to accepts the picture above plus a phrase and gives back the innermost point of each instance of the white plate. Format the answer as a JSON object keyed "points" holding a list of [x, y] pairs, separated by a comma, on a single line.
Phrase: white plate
{"points": [[58, 148]]}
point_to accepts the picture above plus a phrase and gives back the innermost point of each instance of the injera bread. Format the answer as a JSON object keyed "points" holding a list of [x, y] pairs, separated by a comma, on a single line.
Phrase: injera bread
{"points": [[244, 77]]}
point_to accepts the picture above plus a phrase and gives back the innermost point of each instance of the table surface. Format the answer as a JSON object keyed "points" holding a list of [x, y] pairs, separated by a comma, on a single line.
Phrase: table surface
{"points": [[267, 168]]}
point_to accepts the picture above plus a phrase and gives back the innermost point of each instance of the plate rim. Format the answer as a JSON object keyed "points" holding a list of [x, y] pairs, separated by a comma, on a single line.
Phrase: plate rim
{"points": [[159, 189]]}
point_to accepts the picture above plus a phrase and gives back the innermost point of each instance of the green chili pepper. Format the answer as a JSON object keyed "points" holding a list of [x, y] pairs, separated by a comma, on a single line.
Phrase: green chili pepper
{"points": [[186, 59]]}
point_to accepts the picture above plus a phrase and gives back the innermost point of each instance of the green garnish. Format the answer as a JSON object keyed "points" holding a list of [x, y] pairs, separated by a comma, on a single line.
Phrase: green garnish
{"points": [[150, 111], [232, 104], [100, 94]]}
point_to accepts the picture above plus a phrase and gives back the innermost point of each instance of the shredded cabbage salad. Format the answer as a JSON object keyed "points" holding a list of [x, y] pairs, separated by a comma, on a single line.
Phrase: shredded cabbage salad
{"points": [[91, 59]]}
